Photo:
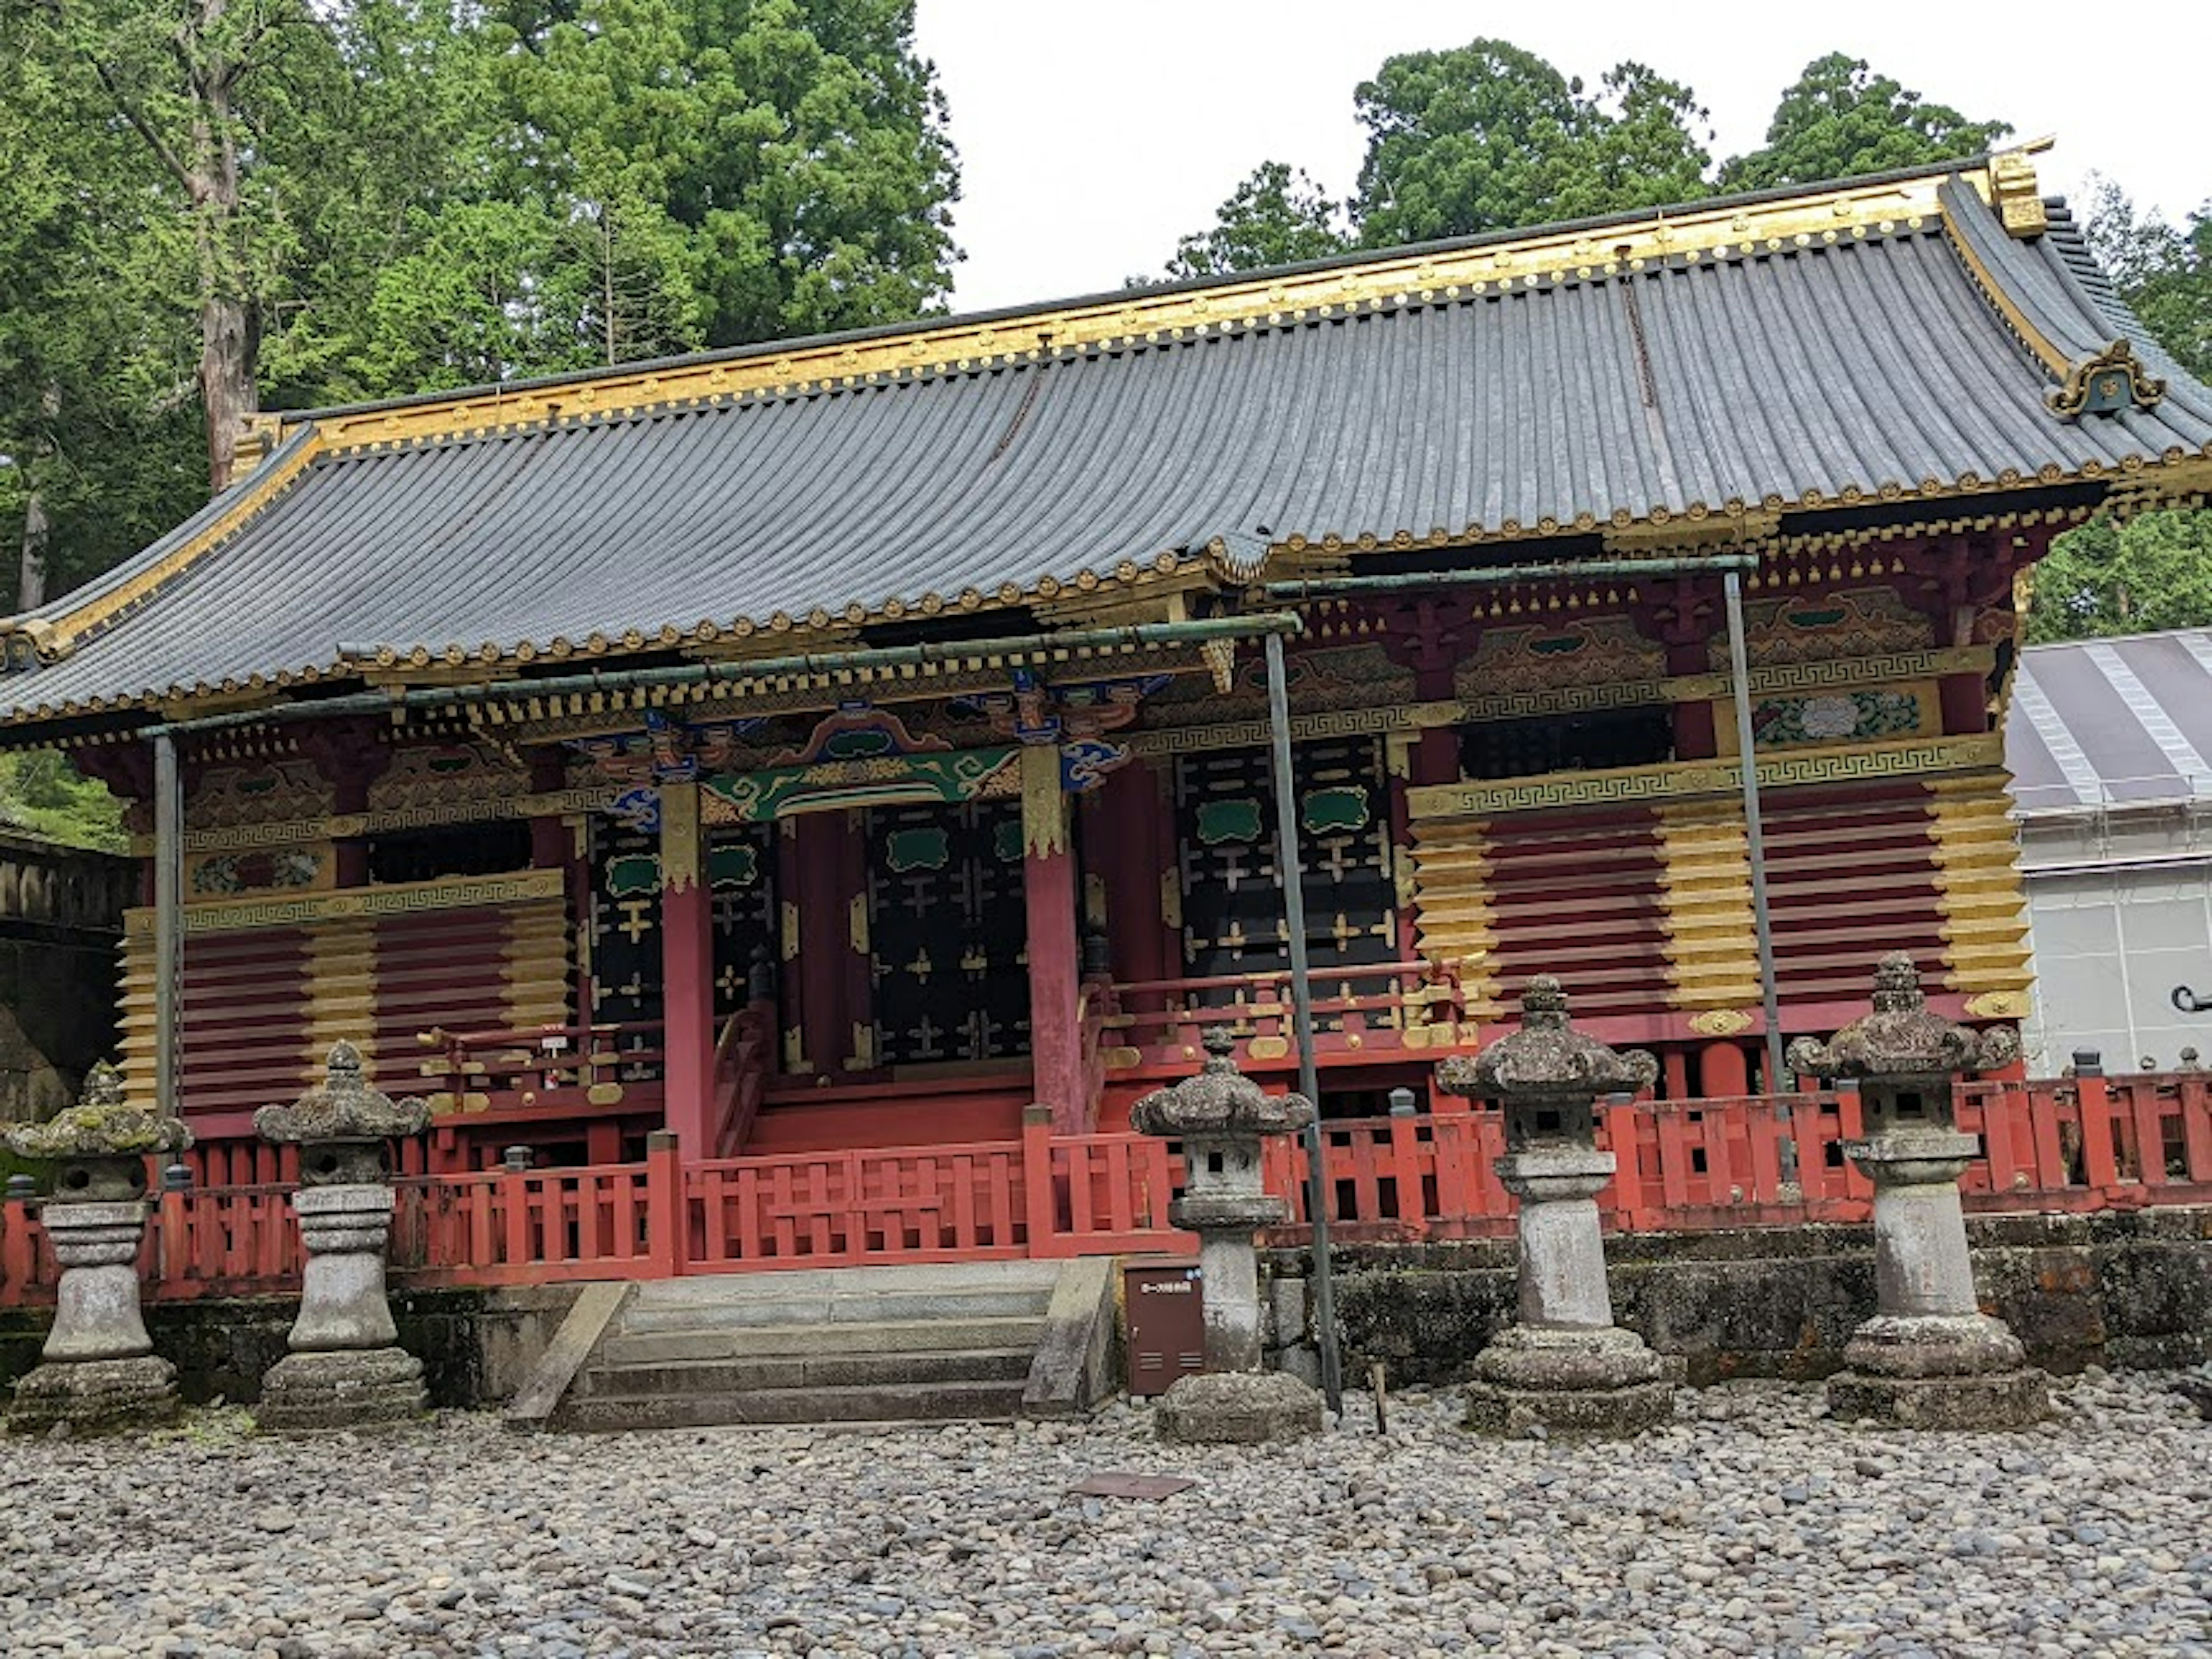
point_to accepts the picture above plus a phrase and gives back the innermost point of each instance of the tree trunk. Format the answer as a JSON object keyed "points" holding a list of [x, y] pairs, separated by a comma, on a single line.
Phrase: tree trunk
{"points": [[31, 581], [38, 528], [229, 331]]}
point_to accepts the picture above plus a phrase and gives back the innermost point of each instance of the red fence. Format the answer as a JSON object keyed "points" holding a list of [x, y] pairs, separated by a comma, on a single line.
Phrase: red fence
{"points": [[2083, 1144]]}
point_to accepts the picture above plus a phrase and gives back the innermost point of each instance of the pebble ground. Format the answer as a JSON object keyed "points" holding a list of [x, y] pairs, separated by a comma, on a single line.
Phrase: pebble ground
{"points": [[1749, 1527]]}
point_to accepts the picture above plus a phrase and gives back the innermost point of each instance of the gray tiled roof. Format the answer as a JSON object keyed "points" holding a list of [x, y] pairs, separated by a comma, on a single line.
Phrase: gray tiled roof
{"points": [[1702, 383], [2124, 722]]}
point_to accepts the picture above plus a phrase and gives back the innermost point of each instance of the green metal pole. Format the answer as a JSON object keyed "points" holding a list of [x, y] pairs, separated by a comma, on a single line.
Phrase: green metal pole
{"points": [[168, 929], [1290, 871], [1130, 636], [1754, 832], [1505, 575]]}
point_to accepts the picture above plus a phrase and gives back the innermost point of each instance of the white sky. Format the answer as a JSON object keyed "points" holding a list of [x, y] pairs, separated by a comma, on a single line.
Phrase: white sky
{"points": [[1092, 135]]}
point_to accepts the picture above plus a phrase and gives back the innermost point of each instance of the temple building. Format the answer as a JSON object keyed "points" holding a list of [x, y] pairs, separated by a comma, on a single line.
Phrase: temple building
{"points": [[851, 741]]}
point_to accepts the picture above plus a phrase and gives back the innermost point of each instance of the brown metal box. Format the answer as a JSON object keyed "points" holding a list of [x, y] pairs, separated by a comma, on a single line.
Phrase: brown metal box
{"points": [[1163, 1306]]}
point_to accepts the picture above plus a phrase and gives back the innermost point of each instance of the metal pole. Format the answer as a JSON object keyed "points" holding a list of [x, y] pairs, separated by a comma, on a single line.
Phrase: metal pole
{"points": [[1291, 872], [169, 931], [1754, 835]]}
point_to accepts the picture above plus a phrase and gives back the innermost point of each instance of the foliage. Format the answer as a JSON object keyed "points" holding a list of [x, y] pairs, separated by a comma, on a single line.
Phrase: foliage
{"points": [[42, 794], [629, 178], [1487, 136], [99, 447], [1275, 218], [2164, 274], [2152, 572], [1840, 120]]}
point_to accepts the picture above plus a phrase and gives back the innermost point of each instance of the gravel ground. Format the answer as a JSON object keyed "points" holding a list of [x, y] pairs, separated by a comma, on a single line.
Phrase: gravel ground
{"points": [[1748, 1526]]}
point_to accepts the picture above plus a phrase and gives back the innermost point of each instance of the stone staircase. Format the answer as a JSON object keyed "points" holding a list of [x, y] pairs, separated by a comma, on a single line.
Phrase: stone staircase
{"points": [[850, 1345]]}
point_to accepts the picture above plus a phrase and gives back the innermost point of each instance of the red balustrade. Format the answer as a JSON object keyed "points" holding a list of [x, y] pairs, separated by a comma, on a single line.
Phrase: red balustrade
{"points": [[1360, 1012], [958, 1202], [2082, 1144]]}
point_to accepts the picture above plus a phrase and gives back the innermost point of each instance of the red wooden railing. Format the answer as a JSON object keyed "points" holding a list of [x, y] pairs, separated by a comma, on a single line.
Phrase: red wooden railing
{"points": [[2086, 1144], [743, 1055], [1359, 1012], [543, 1069], [901, 1203]]}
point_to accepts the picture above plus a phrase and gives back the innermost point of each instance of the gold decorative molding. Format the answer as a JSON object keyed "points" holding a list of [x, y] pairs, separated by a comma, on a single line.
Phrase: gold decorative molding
{"points": [[1452, 909], [348, 826], [2015, 194], [1704, 889], [56, 638], [1979, 892], [1679, 780], [1044, 803], [1721, 1022], [2000, 1004], [405, 898], [1321, 723], [2113, 379], [679, 835]]}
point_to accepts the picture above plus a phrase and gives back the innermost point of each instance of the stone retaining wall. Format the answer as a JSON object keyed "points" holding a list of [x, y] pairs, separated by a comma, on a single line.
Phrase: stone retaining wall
{"points": [[2115, 1288], [476, 1346]]}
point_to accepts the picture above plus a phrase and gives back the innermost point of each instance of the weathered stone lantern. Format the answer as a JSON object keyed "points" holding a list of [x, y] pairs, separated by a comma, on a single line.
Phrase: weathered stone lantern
{"points": [[1930, 1358], [98, 1370], [1564, 1366], [1221, 1116], [345, 1367]]}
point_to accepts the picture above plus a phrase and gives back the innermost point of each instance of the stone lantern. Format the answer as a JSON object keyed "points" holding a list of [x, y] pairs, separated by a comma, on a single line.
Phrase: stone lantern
{"points": [[1564, 1365], [345, 1367], [1221, 1116], [98, 1370], [1930, 1358]]}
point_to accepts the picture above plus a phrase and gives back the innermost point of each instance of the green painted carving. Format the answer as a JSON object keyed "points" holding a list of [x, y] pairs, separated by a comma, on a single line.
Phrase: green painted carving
{"points": [[731, 865], [1835, 717], [858, 745], [1342, 807], [631, 873], [917, 849], [888, 780], [1811, 620], [1007, 840], [1235, 819]]}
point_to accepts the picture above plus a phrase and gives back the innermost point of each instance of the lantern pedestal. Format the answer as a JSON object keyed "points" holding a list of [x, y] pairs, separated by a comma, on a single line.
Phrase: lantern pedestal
{"points": [[1931, 1359], [1221, 1116], [345, 1367], [98, 1371], [1564, 1365]]}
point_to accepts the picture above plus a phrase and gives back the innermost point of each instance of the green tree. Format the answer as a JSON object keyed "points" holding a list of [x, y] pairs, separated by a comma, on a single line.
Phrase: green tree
{"points": [[1275, 218], [2153, 572], [2164, 274], [1840, 120], [1487, 136], [99, 446]]}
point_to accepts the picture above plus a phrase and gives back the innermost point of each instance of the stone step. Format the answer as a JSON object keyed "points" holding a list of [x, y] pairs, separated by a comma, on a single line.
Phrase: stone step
{"points": [[917, 1402], [841, 1307], [723, 1374], [781, 1283], [629, 1346]]}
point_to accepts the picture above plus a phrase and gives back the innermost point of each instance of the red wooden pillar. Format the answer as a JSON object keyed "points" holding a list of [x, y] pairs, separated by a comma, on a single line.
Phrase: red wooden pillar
{"points": [[687, 972], [1121, 840], [1965, 702], [1721, 1072], [1048, 897]]}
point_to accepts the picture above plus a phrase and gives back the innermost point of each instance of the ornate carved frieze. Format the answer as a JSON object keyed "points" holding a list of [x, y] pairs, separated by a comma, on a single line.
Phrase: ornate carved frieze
{"points": [[1678, 779], [450, 893]]}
